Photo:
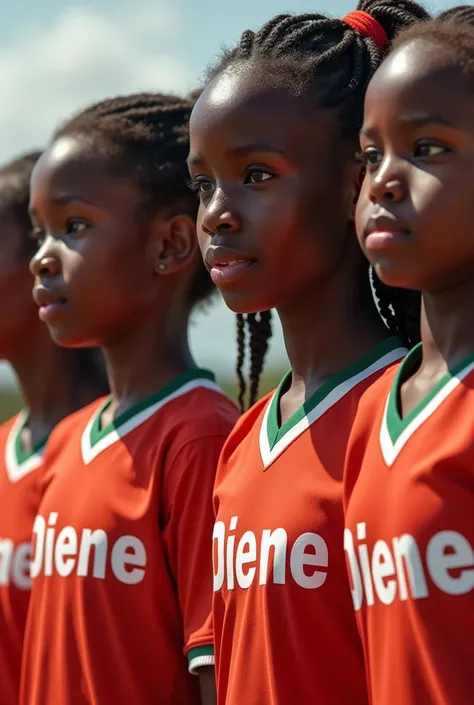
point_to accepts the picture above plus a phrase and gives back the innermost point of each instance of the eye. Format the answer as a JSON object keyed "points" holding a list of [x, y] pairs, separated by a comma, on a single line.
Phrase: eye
{"points": [[74, 226], [369, 157], [201, 185], [429, 149], [258, 176]]}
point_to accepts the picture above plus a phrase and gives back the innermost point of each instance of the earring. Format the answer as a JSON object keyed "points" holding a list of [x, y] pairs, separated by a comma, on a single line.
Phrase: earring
{"points": [[162, 266]]}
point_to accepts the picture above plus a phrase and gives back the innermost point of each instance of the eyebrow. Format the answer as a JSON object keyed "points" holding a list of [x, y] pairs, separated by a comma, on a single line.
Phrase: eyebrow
{"points": [[67, 197], [414, 120], [62, 199], [193, 159], [246, 149], [242, 151]]}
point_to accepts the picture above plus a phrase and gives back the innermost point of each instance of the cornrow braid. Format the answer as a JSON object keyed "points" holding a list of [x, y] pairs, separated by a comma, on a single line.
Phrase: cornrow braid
{"points": [[453, 31], [462, 14], [260, 328], [260, 331], [313, 53], [241, 340], [400, 310], [145, 136], [330, 64]]}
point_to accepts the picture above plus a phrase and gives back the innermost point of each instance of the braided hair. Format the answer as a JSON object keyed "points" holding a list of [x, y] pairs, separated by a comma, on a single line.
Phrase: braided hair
{"points": [[145, 136], [330, 64], [462, 14], [453, 30]]}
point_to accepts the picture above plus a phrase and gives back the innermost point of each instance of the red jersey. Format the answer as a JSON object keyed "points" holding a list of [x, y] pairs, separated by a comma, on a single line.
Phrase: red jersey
{"points": [[410, 538], [122, 574], [19, 500], [282, 614]]}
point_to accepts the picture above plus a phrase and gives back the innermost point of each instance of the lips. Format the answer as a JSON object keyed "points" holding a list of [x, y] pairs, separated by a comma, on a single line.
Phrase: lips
{"points": [[51, 302], [383, 232], [226, 265]]}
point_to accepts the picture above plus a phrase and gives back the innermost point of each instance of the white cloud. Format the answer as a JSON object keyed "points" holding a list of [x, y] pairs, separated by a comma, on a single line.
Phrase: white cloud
{"points": [[49, 72]]}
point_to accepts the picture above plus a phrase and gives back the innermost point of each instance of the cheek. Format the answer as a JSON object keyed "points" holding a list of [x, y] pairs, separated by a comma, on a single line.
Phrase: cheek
{"points": [[443, 205], [363, 208], [203, 238]]}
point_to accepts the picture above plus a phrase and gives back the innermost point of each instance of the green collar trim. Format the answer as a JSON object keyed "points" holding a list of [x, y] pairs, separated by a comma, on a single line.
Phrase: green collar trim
{"points": [[19, 461], [96, 438], [274, 438]]}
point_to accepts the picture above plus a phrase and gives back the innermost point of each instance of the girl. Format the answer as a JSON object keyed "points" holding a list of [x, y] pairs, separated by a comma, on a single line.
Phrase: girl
{"points": [[54, 383], [410, 532], [121, 566], [275, 227]]}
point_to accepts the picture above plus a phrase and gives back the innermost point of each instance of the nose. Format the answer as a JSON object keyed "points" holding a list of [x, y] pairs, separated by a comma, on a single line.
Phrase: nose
{"points": [[219, 215], [387, 184], [45, 262]]}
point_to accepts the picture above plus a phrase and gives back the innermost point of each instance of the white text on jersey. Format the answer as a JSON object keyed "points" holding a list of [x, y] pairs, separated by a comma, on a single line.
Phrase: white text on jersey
{"points": [[267, 555], [15, 564], [398, 568], [66, 552]]}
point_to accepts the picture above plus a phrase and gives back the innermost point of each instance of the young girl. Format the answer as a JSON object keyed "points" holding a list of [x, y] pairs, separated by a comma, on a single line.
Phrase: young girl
{"points": [[121, 566], [271, 157], [54, 382], [410, 528]]}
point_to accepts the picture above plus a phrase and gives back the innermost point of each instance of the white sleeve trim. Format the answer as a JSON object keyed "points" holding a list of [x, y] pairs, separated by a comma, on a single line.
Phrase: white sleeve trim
{"points": [[199, 662]]}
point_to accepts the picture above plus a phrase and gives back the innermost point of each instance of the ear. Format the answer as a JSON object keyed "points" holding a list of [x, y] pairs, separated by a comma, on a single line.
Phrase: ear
{"points": [[173, 243], [354, 182]]}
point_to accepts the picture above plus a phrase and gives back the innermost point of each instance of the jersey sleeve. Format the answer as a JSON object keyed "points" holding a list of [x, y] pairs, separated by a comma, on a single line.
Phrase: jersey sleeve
{"points": [[188, 541]]}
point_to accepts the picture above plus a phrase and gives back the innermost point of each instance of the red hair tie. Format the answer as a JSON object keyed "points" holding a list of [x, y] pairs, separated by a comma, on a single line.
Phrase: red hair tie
{"points": [[367, 26]]}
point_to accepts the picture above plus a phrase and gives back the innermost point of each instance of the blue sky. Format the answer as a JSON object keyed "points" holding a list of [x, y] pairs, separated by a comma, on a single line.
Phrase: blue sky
{"points": [[56, 56]]}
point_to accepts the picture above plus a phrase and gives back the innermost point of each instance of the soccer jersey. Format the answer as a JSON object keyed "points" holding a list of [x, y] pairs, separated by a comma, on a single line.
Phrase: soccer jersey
{"points": [[282, 614], [19, 499], [410, 538], [121, 568]]}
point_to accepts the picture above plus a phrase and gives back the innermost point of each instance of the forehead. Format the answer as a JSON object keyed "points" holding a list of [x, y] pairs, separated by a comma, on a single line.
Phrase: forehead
{"points": [[75, 166], [245, 104], [421, 76]]}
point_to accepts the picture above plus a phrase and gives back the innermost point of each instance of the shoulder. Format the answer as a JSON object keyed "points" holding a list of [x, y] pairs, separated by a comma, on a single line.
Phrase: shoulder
{"points": [[198, 413]]}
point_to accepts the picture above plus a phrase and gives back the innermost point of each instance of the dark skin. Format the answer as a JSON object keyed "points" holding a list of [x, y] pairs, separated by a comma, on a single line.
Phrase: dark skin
{"points": [[279, 195], [124, 279], [418, 142], [26, 344]]}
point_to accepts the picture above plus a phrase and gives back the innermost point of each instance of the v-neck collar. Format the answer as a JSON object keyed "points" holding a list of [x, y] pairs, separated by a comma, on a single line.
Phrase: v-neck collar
{"points": [[275, 438], [395, 430], [18, 461], [96, 438]]}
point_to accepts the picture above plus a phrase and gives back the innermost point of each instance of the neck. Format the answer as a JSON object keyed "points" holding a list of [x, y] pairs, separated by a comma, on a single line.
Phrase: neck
{"points": [[148, 356], [447, 324], [330, 327], [48, 380]]}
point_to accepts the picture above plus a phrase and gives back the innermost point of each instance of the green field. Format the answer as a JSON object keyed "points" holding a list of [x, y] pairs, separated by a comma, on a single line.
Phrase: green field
{"points": [[10, 400]]}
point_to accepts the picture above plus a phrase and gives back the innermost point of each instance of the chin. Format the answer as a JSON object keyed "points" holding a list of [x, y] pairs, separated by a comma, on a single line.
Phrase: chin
{"points": [[69, 339], [243, 305], [393, 275]]}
